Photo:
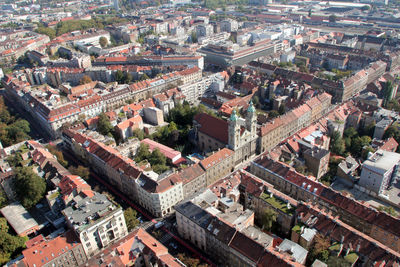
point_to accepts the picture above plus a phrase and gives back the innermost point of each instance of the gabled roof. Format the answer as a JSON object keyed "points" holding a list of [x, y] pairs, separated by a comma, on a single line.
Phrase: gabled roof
{"points": [[247, 247], [213, 127], [216, 158], [43, 251]]}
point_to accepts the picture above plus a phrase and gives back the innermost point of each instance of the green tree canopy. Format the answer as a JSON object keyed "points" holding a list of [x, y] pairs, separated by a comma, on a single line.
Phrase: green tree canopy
{"points": [[273, 114], [268, 218], [350, 132], [59, 155], [103, 41], [337, 144], [142, 153], [282, 109], [104, 125], [85, 79], [157, 158], [131, 218], [12, 130], [81, 171], [30, 188]]}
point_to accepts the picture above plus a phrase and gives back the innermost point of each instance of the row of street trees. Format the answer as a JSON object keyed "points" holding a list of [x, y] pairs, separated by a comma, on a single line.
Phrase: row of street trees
{"points": [[12, 130]]}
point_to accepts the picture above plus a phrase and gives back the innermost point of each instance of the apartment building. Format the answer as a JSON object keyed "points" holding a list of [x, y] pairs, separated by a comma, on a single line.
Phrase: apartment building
{"points": [[226, 245], [64, 250], [258, 195], [195, 90], [120, 171], [218, 165], [138, 248], [126, 128], [379, 171], [193, 179], [96, 221], [45, 103], [175, 60], [349, 239], [378, 225], [158, 194], [191, 223], [274, 131]]}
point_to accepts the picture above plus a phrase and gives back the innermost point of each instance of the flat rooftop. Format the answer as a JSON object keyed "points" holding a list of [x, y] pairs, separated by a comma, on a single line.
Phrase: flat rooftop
{"points": [[382, 161], [19, 218], [88, 210]]}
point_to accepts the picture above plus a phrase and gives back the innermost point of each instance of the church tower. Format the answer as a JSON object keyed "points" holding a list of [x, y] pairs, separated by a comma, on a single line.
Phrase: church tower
{"points": [[234, 131], [251, 120]]}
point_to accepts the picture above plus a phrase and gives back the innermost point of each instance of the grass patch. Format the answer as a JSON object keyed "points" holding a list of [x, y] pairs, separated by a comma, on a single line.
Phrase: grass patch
{"points": [[277, 203], [335, 247], [54, 195], [24, 148], [297, 228], [351, 257]]}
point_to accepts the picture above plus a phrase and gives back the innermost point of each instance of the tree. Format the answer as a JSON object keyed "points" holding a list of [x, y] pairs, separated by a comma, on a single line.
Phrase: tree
{"points": [[320, 249], [81, 171], [321, 243], [350, 132], [85, 79], [138, 133], [3, 225], [282, 109], [59, 155], [188, 261], [393, 105], [142, 153], [366, 151], [47, 31], [3, 199], [337, 144], [256, 101], [127, 77], [131, 218], [368, 130], [144, 77], [104, 125], [332, 18], [273, 114], [29, 187], [103, 41], [392, 131], [309, 13], [157, 158], [268, 218], [388, 93], [10, 246], [193, 37], [119, 76], [358, 143], [15, 159]]}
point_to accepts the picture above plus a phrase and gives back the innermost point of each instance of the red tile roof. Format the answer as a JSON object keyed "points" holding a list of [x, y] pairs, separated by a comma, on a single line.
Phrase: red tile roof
{"points": [[41, 251], [216, 158], [213, 127]]}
